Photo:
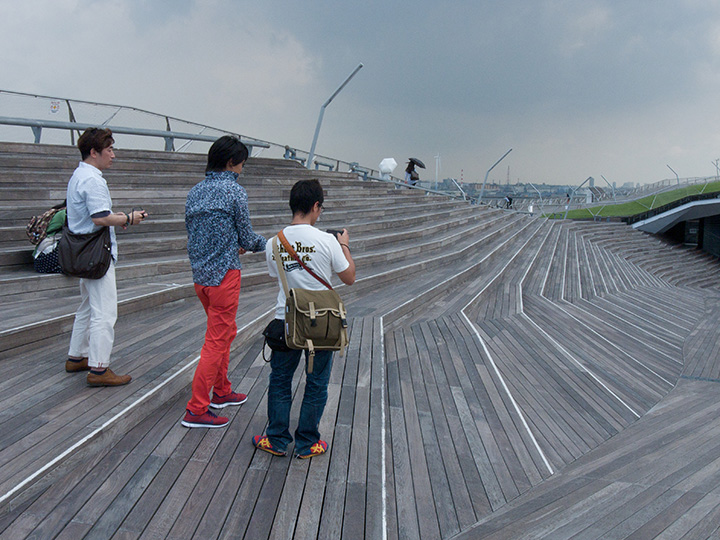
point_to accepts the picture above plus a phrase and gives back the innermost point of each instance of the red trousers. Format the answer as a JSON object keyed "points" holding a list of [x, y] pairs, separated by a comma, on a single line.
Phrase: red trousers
{"points": [[221, 304]]}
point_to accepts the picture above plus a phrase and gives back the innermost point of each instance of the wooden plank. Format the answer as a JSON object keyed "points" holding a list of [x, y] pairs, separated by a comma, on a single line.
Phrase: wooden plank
{"points": [[602, 356], [407, 518], [488, 419], [700, 521], [426, 393], [460, 422], [376, 492], [233, 447], [545, 429], [552, 431], [355, 498], [550, 496], [524, 469], [307, 522], [586, 400], [108, 521], [452, 449], [427, 515]]}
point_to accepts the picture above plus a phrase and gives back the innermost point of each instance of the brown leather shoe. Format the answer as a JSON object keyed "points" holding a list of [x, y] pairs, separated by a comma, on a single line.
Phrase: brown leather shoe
{"points": [[80, 365], [107, 379]]}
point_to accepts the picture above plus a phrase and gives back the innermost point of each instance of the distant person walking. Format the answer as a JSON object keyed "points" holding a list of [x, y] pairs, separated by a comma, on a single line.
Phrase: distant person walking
{"points": [[325, 254], [508, 201], [411, 175], [89, 207], [219, 231]]}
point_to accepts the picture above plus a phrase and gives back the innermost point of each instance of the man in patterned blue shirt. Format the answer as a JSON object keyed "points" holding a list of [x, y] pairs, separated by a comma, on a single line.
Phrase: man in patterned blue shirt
{"points": [[219, 231]]}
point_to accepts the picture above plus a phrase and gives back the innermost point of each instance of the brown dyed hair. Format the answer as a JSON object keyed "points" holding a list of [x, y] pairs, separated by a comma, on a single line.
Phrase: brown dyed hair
{"points": [[94, 138]]}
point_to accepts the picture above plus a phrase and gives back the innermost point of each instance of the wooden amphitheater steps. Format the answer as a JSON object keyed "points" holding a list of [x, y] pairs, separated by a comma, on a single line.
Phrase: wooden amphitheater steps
{"points": [[545, 353], [158, 340], [457, 451], [153, 265]]}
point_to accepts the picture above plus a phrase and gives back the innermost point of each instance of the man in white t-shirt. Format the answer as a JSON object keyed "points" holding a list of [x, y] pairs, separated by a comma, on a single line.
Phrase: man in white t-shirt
{"points": [[325, 254]]}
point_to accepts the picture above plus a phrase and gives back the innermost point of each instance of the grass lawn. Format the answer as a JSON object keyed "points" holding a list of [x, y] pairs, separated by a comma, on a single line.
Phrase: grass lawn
{"points": [[641, 205]]}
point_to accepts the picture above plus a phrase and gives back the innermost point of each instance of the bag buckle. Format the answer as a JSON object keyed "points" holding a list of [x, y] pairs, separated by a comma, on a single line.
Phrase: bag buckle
{"points": [[311, 355]]}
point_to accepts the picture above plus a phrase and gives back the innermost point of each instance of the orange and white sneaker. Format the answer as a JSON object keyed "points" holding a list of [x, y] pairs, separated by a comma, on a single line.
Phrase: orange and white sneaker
{"points": [[261, 442], [316, 449]]}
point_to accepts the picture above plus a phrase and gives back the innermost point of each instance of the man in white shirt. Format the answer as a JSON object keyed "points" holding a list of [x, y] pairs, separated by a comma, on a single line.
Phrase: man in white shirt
{"points": [[325, 254], [89, 207]]}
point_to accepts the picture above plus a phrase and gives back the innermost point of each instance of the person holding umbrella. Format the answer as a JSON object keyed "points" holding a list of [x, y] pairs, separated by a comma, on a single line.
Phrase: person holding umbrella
{"points": [[411, 175]]}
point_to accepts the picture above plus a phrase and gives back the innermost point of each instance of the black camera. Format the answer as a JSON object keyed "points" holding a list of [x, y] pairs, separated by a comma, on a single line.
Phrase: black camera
{"points": [[334, 232]]}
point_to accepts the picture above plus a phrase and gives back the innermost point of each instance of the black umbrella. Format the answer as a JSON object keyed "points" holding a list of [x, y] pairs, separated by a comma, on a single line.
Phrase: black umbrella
{"points": [[417, 162]]}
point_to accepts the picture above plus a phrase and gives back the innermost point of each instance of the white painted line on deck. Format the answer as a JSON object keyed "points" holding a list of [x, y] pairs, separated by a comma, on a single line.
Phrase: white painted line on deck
{"points": [[112, 420], [492, 362], [653, 337], [560, 347], [603, 338], [72, 315], [509, 394], [382, 430], [585, 369]]}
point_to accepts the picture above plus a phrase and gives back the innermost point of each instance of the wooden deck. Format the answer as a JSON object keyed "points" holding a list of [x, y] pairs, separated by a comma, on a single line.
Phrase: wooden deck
{"points": [[506, 378], [495, 422]]}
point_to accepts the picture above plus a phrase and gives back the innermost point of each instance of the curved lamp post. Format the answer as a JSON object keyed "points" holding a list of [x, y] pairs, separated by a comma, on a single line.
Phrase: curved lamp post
{"points": [[482, 190], [573, 194], [611, 187], [322, 112]]}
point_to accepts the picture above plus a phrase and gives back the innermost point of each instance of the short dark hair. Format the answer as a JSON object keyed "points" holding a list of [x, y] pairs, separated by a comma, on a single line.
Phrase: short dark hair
{"points": [[304, 194], [97, 139], [227, 149]]}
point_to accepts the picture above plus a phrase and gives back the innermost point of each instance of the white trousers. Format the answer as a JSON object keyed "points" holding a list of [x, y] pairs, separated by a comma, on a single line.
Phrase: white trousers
{"points": [[93, 332]]}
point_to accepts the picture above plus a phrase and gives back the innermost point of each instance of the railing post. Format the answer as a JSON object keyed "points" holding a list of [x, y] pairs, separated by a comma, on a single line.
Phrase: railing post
{"points": [[169, 141], [71, 118]]}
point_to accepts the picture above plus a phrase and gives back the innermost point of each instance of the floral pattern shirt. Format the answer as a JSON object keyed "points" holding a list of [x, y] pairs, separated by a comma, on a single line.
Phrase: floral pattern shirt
{"points": [[218, 225]]}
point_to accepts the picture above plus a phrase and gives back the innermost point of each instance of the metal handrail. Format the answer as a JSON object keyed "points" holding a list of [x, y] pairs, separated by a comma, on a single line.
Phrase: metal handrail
{"points": [[669, 206], [205, 133], [169, 136], [402, 184]]}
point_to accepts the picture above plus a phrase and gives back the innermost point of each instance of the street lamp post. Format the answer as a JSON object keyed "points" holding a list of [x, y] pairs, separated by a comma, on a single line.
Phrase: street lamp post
{"points": [[482, 190], [573, 194], [322, 112], [542, 207], [611, 187]]}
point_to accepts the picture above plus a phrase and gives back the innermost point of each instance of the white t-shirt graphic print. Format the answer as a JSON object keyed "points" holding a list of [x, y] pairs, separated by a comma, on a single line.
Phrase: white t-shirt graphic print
{"points": [[319, 250]]}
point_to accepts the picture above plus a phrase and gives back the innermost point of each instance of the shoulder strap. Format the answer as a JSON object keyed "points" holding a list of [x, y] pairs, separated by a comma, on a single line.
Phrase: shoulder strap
{"points": [[280, 267], [294, 255]]}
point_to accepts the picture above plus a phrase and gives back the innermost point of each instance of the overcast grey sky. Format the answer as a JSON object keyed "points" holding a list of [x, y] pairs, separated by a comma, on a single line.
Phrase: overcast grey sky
{"points": [[575, 88]]}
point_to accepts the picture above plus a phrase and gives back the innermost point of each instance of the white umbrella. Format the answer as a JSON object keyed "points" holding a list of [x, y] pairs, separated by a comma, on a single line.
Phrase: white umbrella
{"points": [[387, 165]]}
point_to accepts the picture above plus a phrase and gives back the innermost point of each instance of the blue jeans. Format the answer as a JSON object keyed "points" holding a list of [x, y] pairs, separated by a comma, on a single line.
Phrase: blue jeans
{"points": [[283, 365]]}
